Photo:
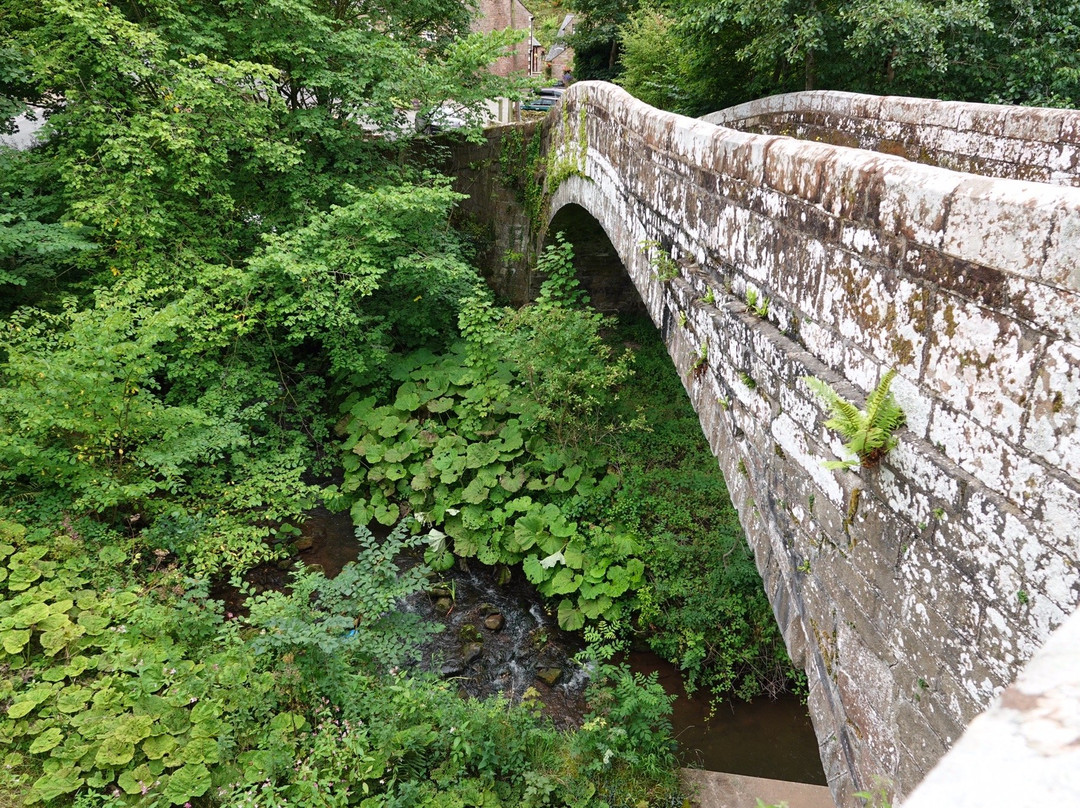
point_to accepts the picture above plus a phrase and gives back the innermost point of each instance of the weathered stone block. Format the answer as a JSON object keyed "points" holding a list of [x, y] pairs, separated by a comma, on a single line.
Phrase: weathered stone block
{"points": [[981, 362], [915, 200], [1006, 220], [1053, 427], [932, 692], [853, 186], [918, 463], [1029, 125], [986, 456], [903, 498], [975, 555], [1048, 308], [917, 737]]}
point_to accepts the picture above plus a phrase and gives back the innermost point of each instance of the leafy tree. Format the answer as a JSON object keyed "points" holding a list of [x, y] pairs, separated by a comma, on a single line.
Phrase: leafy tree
{"points": [[911, 40], [596, 36], [782, 40], [1037, 56], [37, 239], [668, 62], [220, 224], [1013, 51]]}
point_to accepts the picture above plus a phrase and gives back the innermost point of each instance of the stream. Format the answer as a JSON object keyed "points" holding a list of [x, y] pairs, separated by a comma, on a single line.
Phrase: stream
{"points": [[499, 639]]}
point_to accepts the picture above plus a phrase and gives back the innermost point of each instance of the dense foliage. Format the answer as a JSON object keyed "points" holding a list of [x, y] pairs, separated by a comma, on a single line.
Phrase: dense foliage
{"points": [[220, 234], [135, 689], [695, 57], [499, 444], [224, 274], [529, 444], [703, 605]]}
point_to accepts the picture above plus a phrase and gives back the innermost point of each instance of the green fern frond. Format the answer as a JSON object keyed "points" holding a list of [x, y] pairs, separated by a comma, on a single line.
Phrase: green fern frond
{"points": [[880, 393], [846, 418], [868, 434], [881, 407], [821, 389], [840, 464], [873, 437]]}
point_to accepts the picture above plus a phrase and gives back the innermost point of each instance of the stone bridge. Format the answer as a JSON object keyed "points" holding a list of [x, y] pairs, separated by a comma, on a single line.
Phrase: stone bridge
{"points": [[914, 592]]}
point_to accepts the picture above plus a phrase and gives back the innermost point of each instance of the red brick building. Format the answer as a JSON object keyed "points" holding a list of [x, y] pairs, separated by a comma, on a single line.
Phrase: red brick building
{"points": [[528, 55], [498, 15]]}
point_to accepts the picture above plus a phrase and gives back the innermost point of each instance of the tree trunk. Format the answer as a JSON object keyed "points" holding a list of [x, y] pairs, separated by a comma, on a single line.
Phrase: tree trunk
{"points": [[890, 69]]}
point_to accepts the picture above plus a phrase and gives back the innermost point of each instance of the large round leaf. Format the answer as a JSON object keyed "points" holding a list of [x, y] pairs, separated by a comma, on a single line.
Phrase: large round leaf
{"points": [[30, 615], [15, 640], [114, 752], [26, 702], [50, 786], [136, 781], [47, 740], [201, 750], [190, 780], [528, 530], [73, 699], [570, 619], [157, 746], [479, 455]]}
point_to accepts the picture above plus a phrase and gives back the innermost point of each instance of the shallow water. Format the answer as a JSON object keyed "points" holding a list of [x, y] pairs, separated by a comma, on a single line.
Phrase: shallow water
{"points": [[770, 738], [508, 659], [764, 738]]}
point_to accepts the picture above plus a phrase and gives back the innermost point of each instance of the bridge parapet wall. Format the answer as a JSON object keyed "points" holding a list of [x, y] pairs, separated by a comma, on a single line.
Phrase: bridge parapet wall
{"points": [[911, 593], [1025, 143]]}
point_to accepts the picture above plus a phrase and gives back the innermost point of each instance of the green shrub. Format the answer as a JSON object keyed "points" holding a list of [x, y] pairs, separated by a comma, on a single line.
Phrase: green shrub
{"points": [[147, 693], [497, 443], [702, 605]]}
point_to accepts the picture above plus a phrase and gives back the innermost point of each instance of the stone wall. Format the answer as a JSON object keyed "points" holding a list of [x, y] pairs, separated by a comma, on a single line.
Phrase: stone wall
{"points": [[493, 175], [1025, 143], [911, 593], [1025, 750]]}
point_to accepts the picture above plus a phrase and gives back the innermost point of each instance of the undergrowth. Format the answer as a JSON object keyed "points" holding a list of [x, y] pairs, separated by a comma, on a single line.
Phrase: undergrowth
{"points": [[136, 689], [703, 605]]}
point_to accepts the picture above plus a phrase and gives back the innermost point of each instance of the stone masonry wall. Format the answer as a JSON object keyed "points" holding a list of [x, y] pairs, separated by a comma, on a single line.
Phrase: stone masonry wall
{"points": [[913, 592], [1024, 750], [1025, 143], [493, 216]]}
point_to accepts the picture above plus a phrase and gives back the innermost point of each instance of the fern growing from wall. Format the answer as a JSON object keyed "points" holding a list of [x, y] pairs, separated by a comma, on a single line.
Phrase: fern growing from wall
{"points": [[868, 434]]}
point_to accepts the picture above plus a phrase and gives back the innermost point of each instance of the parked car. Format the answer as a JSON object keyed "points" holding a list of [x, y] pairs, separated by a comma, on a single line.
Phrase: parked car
{"points": [[440, 119], [542, 103]]}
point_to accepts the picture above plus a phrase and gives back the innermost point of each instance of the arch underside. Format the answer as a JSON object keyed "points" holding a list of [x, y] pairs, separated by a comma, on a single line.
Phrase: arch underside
{"points": [[598, 265]]}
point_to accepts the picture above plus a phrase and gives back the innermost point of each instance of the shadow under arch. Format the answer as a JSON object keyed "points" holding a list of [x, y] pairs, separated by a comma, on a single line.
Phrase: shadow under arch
{"points": [[598, 265]]}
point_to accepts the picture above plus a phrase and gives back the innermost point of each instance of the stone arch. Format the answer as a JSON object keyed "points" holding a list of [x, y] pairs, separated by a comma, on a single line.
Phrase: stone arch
{"points": [[600, 268], [895, 587]]}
